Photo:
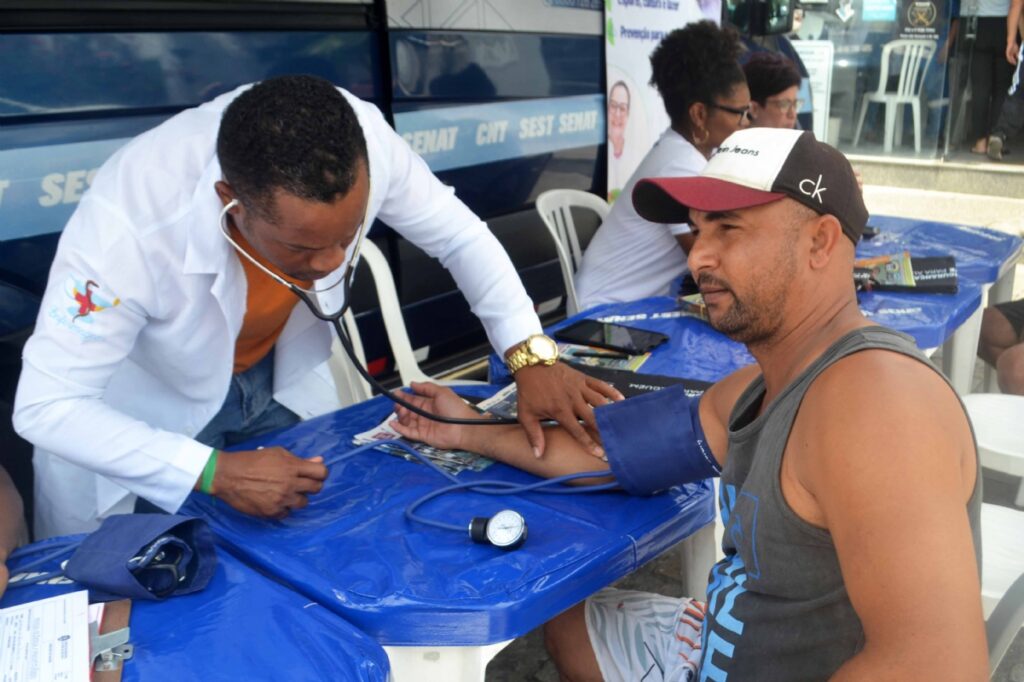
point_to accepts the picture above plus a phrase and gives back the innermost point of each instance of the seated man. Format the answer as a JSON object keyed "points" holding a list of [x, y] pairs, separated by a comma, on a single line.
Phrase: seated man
{"points": [[850, 486], [167, 330], [1002, 344], [774, 83]]}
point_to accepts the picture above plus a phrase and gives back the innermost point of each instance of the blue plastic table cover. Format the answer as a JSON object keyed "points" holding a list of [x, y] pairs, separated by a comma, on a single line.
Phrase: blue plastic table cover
{"points": [[696, 351], [982, 254], [403, 583], [243, 626], [693, 351]]}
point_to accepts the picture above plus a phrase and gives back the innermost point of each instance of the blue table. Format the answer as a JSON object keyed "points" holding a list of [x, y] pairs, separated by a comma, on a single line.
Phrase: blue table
{"points": [[696, 351], [407, 584], [242, 626], [984, 256]]}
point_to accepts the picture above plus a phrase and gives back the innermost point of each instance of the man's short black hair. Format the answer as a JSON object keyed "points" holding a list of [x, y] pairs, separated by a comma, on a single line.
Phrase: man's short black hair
{"points": [[768, 74], [295, 133], [696, 63]]}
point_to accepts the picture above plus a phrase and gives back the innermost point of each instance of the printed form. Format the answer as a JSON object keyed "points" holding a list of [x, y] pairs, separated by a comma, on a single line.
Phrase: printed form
{"points": [[46, 640]]}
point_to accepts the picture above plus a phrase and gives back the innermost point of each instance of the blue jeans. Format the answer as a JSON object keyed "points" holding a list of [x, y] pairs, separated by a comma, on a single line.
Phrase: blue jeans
{"points": [[249, 410]]}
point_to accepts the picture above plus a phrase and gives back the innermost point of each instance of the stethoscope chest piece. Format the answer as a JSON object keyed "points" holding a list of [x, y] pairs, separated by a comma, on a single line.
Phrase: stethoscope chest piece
{"points": [[505, 530]]}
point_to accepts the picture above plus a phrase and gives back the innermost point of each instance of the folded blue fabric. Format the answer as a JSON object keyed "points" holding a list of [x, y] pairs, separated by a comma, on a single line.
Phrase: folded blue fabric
{"points": [[145, 556], [655, 441]]}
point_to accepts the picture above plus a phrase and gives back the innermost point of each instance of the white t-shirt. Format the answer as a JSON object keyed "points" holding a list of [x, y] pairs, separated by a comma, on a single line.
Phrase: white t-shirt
{"points": [[629, 257]]}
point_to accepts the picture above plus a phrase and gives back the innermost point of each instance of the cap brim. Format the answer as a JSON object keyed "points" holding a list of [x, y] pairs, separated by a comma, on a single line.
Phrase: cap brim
{"points": [[669, 200]]}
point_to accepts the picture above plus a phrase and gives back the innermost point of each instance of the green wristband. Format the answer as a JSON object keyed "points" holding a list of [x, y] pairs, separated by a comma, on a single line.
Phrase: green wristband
{"points": [[206, 482]]}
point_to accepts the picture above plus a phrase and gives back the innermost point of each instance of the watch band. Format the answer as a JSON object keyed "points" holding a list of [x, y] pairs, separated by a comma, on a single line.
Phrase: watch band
{"points": [[520, 358]]}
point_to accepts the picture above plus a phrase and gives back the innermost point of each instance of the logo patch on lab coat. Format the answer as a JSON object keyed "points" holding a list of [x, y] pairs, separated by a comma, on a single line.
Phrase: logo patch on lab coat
{"points": [[88, 299]]}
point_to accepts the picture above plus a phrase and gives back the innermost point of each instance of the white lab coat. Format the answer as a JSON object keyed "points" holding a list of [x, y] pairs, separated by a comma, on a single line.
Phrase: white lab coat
{"points": [[113, 399]]}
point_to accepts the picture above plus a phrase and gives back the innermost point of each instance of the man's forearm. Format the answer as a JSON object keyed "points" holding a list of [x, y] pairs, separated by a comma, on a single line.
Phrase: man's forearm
{"points": [[13, 531], [508, 444]]}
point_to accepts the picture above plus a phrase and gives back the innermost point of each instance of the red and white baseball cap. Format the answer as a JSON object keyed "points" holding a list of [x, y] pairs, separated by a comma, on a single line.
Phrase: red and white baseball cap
{"points": [[757, 166]]}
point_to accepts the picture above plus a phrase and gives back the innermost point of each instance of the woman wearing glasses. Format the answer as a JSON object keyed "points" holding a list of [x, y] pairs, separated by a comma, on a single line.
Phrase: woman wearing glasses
{"points": [[695, 69], [774, 82]]}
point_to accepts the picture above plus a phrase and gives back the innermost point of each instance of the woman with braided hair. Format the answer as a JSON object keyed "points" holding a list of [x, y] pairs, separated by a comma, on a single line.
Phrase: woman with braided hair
{"points": [[695, 69]]}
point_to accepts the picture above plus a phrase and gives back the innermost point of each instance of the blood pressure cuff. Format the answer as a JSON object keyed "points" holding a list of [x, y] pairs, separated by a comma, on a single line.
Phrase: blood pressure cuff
{"points": [[655, 441], [145, 556]]}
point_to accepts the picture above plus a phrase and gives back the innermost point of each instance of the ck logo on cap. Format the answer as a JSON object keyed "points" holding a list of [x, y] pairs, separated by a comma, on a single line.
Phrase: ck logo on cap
{"points": [[813, 188]]}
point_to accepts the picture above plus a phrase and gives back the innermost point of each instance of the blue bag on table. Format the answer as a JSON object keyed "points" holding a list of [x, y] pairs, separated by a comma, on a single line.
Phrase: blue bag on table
{"points": [[140, 556], [145, 556]]}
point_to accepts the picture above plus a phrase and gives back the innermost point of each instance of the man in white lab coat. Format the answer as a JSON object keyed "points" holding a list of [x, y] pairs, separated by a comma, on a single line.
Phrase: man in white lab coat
{"points": [[157, 343]]}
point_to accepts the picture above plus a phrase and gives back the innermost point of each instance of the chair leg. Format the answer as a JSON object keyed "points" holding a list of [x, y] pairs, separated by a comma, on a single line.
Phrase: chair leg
{"points": [[860, 121], [915, 107], [890, 125], [897, 140]]}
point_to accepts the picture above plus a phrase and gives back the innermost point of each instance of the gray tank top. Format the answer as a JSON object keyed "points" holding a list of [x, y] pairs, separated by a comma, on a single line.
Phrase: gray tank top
{"points": [[777, 606]]}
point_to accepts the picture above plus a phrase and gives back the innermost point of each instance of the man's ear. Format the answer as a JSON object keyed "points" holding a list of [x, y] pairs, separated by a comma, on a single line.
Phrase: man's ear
{"points": [[225, 192], [826, 236]]}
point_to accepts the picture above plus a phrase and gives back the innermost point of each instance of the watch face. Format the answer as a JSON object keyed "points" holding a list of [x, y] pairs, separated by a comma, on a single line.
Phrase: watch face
{"points": [[543, 347], [506, 528]]}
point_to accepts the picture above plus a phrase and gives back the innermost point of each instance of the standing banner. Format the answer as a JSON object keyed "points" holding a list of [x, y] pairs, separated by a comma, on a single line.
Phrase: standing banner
{"points": [[636, 115]]}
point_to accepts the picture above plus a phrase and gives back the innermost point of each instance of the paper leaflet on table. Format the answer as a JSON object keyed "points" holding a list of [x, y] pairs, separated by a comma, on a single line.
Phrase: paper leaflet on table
{"points": [[452, 461], [46, 640], [902, 272]]}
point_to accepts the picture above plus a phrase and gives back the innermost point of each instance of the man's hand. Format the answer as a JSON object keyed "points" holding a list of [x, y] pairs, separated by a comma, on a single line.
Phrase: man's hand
{"points": [[1012, 50], [561, 393], [438, 400], [269, 482]]}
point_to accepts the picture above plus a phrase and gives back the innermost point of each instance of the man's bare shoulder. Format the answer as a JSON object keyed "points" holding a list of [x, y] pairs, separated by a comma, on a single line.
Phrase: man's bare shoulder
{"points": [[882, 407], [722, 397]]}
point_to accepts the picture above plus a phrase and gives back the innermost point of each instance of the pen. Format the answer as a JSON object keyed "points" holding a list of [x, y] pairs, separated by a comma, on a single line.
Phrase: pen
{"points": [[610, 355]]}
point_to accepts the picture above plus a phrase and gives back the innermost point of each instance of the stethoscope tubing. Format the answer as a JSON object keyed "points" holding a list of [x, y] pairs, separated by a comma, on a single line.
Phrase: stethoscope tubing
{"points": [[484, 487]]}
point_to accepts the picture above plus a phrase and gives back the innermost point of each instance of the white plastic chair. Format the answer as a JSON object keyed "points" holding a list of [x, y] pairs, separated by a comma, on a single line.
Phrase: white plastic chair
{"points": [[555, 209], [1006, 620], [1002, 577], [391, 310], [999, 428], [915, 57], [352, 387]]}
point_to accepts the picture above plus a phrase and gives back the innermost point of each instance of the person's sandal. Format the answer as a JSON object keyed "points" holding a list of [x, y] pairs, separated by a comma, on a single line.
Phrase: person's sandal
{"points": [[995, 148]]}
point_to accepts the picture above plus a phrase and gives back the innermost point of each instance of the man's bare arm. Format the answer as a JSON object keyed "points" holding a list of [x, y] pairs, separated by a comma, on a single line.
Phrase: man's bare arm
{"points": [[884, 454], [565, 455], [12, 523], [509, 444]]}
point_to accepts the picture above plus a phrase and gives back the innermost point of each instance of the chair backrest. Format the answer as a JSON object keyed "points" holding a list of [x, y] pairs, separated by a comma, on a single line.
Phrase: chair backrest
{"points": [[352, 387], [391, 311], [555, 209], [915, 56], [349, 381]]}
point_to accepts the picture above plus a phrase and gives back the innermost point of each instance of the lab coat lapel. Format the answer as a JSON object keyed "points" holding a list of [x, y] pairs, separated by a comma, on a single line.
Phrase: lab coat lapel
{"points": [[207, 252]]}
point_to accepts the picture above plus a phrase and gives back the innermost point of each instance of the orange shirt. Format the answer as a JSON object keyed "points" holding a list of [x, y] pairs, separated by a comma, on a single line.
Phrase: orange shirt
{"points": [[267, 307]]}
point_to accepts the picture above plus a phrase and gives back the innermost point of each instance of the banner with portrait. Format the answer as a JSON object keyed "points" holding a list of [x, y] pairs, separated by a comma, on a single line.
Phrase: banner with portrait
{"points": [[636, 115]]}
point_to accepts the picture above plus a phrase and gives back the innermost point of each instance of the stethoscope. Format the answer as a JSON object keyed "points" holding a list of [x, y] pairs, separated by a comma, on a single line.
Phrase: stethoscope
{"points": [[505, 529], [308, 296]]}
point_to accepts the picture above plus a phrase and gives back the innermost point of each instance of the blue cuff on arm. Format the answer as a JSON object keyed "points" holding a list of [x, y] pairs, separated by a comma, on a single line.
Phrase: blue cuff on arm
{"points": [[655, 441]]}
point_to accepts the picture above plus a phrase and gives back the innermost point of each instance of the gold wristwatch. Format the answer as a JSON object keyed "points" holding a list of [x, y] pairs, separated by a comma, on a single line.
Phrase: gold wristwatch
{"points": [[535, 350]]}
